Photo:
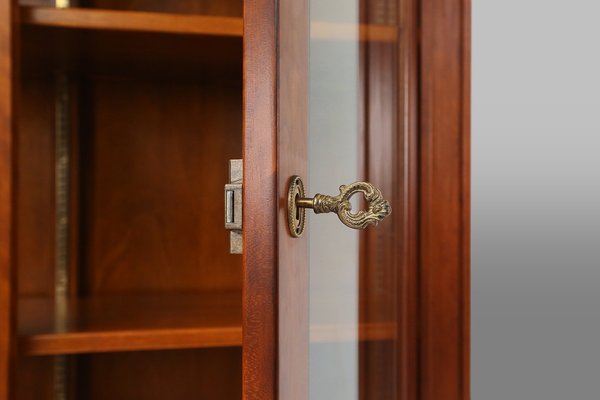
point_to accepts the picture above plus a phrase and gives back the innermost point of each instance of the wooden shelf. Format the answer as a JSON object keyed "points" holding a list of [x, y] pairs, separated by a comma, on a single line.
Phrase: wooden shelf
{"points": [[141, 21], [127, 323], [138, 21], [153, 322]]}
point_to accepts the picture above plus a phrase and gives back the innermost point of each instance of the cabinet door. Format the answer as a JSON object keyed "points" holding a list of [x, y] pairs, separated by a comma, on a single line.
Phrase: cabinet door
{"points": [[337, 92]]}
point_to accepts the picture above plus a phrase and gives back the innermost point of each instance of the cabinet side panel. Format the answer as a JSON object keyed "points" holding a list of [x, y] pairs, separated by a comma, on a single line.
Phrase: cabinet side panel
{"points": [[8, 79]]}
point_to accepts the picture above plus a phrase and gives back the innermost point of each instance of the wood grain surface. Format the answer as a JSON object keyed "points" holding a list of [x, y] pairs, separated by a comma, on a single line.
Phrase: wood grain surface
{"points": [[261, 201], [444, 200], [130, 323], [132, 21], [8, 143]]}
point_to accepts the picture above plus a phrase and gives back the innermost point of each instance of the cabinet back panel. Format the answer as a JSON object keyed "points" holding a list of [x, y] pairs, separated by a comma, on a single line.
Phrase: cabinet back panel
{"points": [[35, 190], [155, 159], [175, 375], [35, 378]]}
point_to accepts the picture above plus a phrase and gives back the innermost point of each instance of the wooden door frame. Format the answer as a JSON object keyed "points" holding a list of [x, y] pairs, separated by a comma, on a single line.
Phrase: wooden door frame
{"points": [[435, 295], [444, 200]]}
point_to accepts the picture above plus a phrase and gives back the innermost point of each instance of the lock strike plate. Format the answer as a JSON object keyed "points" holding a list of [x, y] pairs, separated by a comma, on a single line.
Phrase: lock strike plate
{"points": [[233, 206]]}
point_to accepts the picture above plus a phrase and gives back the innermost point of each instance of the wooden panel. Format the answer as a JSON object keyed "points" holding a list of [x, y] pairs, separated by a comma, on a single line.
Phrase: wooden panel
{"points": [[38, 370], [213, 374], [205, 7], [134, 54], [408, 147], [131, 21], [261, 201], [8, 262], [36, 222], [127, 323], [444, 200], [293, 278], [154, 167], [275, 148]]}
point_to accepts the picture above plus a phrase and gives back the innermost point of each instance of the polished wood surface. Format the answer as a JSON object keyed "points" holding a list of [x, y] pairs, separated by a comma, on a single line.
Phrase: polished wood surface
{"points": [[157, 112], [444, 200], [132, 21], [128, 54], [35, 225], [408, 147], [153, 125], [212, 374], [231, 8], [155, 162], [132, 322], [8, 144], [261, 201], [228, 8]]}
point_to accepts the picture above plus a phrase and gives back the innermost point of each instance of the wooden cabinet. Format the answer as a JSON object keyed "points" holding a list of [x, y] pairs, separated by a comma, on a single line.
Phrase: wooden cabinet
{"points": [[117, 123]]}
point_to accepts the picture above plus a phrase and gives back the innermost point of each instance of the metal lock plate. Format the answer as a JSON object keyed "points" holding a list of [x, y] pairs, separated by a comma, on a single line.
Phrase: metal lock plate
{"points": [[233, 206]]}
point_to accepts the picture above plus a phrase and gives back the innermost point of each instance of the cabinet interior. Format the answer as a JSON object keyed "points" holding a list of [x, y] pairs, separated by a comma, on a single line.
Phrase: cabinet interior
{"points": [[128, 114], [126, 285]]}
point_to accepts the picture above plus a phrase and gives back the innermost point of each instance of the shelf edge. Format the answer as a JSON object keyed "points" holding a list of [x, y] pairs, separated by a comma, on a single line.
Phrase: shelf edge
{"points": [[122, 341], [137, 21]]}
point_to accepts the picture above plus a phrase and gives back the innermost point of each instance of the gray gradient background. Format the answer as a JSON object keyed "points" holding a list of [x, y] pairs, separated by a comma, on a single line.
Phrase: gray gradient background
{"points": [[536, 200]]}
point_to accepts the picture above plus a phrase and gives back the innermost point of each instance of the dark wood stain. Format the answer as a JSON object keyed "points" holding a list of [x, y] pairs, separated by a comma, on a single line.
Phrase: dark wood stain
{"points": [[444, 200]]}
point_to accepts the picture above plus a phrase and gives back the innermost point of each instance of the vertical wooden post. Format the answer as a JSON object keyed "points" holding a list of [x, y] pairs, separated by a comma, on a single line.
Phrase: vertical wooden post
{"points": [[444, 200], [8, 79]]}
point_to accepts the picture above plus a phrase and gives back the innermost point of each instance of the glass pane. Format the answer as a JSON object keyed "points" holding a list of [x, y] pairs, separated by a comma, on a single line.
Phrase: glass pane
{"points": [[353, 136]]}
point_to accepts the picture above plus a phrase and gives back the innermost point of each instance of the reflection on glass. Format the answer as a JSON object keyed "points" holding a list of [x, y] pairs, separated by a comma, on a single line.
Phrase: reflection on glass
{"points": [[353, 134]]}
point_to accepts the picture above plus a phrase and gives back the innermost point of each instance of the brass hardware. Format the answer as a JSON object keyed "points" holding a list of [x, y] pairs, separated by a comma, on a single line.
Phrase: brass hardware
{"points": [[296, 214], [62, 3], [62, 146], [233, 206], [377, 207]]}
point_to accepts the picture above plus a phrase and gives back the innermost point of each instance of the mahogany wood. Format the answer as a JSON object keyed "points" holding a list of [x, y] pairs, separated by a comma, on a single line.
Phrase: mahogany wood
{"points": [[444, 200], [128, 323], [129, 54], [232, 8], [261, 201], [125, 80], [153, 178], [140, 235], [9, 78], [153, 322], [35, 378], [213, 374], [408, 168], [35, 225], [132, 21]]}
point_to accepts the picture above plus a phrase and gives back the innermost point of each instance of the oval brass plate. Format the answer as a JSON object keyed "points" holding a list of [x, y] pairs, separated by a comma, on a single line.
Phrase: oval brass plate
{"points": [[296, 215]]}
